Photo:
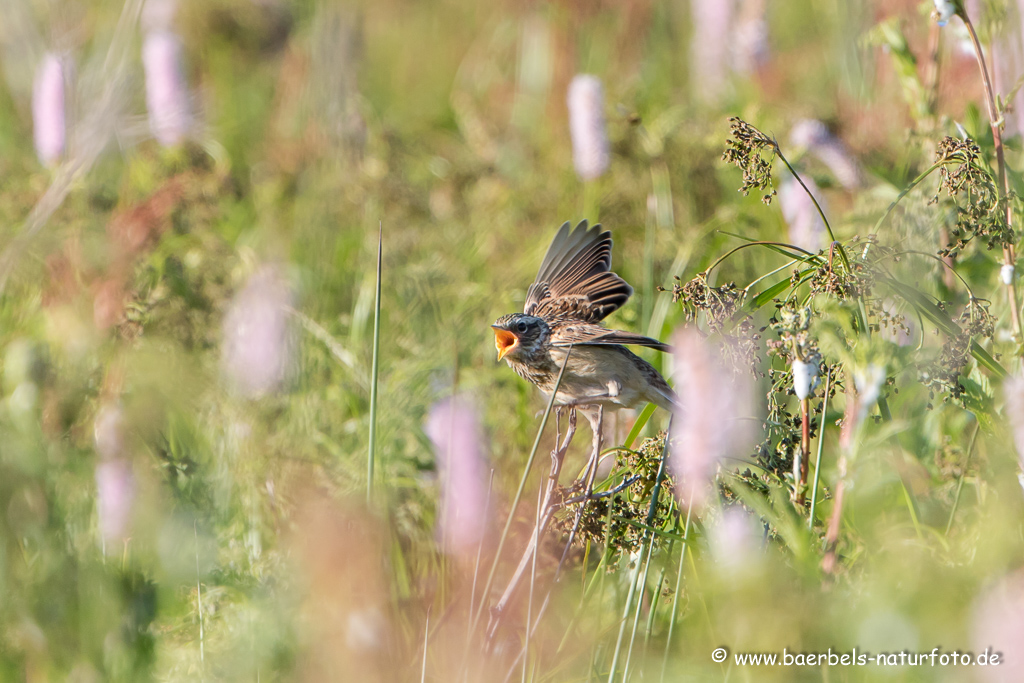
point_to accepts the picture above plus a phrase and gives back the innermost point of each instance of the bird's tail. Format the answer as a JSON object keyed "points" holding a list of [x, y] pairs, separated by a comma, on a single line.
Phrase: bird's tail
{"points": [[662, 396]]}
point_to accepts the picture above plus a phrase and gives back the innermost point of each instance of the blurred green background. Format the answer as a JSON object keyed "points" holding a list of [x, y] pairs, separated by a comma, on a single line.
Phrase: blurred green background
{"points": [[248, 551]]}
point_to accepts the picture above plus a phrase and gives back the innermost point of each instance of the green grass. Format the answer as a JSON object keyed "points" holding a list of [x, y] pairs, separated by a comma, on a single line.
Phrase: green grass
{"points": [[254, 551]]}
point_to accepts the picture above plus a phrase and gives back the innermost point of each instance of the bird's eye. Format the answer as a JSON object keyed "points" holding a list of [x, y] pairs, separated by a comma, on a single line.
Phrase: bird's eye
{"points": [[521, 327]]}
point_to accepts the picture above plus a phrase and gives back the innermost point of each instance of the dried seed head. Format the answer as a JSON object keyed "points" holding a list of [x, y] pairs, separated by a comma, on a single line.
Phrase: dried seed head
{"points": [[454, 428], [258, 346], [753, 153], [709, 422], [49, 113], [590, 152], [167, 97], [806, 228]]}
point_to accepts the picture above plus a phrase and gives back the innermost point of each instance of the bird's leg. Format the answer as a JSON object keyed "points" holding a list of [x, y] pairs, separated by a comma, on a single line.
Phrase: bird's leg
{"points": [[547, 510], [558, 424], [596, 420], [590, 473]]}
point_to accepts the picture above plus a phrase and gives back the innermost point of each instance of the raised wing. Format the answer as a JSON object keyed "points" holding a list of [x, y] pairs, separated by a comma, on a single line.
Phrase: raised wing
{"points": [[581, 334], [575, 278]]}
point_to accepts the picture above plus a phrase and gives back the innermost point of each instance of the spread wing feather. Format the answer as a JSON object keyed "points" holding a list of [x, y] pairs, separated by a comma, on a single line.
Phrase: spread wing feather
{"points": [[586, 334], [575, 276]]}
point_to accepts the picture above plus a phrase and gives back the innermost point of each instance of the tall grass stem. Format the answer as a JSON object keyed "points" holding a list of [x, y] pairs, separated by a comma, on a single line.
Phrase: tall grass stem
{"points": [[821, 447], [375, 369], [519, 494]]}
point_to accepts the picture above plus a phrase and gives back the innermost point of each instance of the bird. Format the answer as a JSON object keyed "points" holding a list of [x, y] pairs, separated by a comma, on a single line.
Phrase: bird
{"points": [[574, 291]]}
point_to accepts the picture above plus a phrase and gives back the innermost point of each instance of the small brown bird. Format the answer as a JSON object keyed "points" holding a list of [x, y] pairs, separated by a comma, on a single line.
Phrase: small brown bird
{"points": [[574, 290]]}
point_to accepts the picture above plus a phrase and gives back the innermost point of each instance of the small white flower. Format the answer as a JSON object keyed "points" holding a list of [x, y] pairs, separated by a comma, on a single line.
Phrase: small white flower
{"points": [[1006, 274], [804, 375], [945, 11], [590, 152]]}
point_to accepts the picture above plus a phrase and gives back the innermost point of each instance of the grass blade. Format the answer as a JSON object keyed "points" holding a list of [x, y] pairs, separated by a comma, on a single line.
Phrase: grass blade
{"points": [[374, 372], [821, 446], [519, 494], [638, 426]]}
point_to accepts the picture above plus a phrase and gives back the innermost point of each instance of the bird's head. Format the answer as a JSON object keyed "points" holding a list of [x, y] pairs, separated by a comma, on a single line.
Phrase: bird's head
{"points": [[519, 335]]}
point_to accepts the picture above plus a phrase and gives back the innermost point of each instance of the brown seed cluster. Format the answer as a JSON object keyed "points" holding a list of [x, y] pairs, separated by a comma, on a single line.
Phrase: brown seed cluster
{"points": [[976, 209], [753, 153]]}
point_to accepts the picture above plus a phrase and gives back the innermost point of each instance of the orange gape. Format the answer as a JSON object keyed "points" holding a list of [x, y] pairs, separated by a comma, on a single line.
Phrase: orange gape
{"points": [[504, 341]]}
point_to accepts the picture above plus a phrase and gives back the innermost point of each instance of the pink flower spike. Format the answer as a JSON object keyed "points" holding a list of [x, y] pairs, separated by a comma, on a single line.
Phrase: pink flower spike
{"points": [[735, 542], [115, 494], [258, 345], [1013, 390], [590, 152], [167, 96], [806, 229], [998, 628], [709, 424], [814, 136], [49, 114], [710, 48], [108, 431], [454, 428]]}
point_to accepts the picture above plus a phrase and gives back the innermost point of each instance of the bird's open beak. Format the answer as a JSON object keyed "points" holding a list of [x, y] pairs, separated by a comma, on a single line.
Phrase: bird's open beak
{"points": [[504, 341]]}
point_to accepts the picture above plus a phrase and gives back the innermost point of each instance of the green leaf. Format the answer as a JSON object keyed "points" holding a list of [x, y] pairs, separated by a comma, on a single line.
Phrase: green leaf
{"points": [[641, 422], [924, 305]]}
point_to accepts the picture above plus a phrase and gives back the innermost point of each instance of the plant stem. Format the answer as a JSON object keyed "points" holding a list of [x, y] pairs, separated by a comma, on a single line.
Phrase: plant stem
{"points": [[907, 190], [960, 484], [645, 550], [762, 243], [805, 451], [846, 444], [821, 444], [824, 219], [996, 123], [679, 583], [519, 494]]}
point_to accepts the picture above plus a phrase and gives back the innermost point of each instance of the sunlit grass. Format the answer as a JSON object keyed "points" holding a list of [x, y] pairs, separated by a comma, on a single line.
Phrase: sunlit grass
{"points": [[404, 167]]}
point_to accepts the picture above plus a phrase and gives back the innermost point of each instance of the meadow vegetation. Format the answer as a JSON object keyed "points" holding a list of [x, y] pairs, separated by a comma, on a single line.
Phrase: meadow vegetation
{"points": [[235, 445]]}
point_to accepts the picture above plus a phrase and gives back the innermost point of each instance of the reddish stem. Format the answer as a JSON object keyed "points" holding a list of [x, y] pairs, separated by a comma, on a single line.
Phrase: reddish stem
{"points": [[996, 123]]}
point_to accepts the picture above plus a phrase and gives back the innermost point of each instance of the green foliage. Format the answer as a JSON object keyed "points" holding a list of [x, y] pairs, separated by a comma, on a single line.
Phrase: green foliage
{"points": [[251, 552]]}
